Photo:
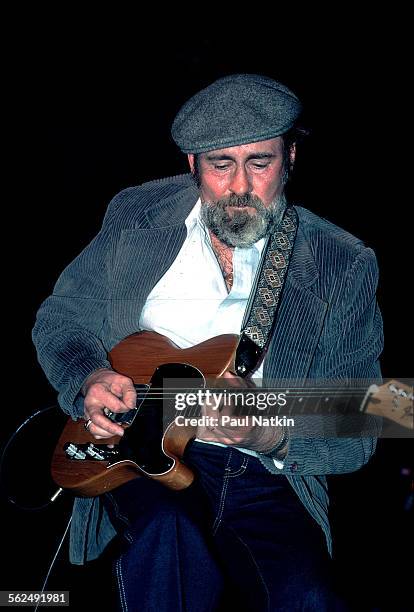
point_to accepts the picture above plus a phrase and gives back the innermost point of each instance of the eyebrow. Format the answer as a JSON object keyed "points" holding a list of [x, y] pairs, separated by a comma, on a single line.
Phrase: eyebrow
{"points": [[229, 157]]}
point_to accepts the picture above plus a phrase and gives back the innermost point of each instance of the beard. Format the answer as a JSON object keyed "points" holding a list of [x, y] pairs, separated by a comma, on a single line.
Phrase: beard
{"points": [[242, 228]]}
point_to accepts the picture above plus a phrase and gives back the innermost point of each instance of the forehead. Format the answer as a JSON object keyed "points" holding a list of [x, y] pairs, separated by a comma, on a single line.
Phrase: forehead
{"points": [[271, 146]]}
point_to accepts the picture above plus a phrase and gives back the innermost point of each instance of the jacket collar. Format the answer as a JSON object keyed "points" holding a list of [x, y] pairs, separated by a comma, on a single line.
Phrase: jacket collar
{"points": [[174, 209], [303, 267]]}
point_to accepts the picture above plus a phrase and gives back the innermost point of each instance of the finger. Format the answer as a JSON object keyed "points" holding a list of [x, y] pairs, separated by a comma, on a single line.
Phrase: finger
{"points": [[116, 389], [100, 432], [99, 396], [129, 395], [233, 380], [209, 410], [103, 426], [238, 382], [125, 390], [227, 409]]}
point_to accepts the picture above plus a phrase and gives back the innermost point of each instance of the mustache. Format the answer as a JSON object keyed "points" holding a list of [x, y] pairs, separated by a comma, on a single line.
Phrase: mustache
{"points": [[242, 201]]}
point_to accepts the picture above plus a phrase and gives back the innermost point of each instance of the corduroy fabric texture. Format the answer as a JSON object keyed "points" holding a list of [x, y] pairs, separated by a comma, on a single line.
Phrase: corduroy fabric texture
{"points": [[328, 327], [237, 109]]}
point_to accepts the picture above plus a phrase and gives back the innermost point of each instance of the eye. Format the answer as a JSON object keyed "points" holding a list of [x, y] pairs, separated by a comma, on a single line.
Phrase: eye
{"points": [[258, 166], [221, 166]]}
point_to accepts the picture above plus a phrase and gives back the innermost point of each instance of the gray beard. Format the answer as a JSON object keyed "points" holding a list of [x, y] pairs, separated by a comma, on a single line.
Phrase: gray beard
{"points": [[242, 229]]}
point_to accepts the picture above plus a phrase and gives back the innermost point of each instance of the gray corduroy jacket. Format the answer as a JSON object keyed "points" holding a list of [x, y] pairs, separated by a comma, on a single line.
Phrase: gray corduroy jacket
{"points": [[328, 327]]}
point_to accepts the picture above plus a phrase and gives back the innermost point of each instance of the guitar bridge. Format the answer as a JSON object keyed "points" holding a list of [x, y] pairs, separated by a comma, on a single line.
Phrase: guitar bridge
{"points": [[88, 452]]}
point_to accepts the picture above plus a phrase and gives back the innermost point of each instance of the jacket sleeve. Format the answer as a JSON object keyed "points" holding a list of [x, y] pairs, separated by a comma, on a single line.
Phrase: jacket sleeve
{"points": [[348, 355], [68, 323]]}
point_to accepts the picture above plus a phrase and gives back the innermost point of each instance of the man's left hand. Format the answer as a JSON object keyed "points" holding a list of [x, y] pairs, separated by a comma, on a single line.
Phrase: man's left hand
{"points": [[236, 430]]}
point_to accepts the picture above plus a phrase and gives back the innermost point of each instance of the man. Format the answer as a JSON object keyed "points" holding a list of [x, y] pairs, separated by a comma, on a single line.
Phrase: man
{"points": [[179, 256]]}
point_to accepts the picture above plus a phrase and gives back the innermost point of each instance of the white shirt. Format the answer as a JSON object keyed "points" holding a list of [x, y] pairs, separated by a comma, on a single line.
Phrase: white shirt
{"points": [[191, 304]]}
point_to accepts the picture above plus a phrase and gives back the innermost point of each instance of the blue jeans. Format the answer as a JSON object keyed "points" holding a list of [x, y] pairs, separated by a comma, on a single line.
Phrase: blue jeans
{"points": [[237, 532]]}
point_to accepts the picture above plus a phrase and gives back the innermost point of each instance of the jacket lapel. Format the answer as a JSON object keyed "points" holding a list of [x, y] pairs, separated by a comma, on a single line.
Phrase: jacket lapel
{"points": [[175, 209], [143, 255], [299, 320]]}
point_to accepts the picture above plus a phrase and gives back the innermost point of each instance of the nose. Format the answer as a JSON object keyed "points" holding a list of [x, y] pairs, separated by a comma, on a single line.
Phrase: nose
{"points": [[240, 182]]}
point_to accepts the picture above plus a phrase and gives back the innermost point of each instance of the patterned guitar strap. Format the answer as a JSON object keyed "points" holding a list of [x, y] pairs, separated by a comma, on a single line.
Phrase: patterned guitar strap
{"points": [[265, 296]]}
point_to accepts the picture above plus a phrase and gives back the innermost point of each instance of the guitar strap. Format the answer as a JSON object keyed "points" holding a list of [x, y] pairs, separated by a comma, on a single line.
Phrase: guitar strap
{"points": [[265, 296]]}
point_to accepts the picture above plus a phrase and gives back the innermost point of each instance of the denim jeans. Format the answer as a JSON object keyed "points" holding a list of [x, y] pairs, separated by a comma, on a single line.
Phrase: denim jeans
{"points": [[238, 535]]}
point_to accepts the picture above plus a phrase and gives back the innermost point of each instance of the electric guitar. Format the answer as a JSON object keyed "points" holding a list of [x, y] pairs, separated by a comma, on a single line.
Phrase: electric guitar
{"points": [[152, 444]]}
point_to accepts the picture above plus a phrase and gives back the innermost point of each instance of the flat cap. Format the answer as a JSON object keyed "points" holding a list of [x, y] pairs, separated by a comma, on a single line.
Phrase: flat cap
{"points": [[237, 109]]}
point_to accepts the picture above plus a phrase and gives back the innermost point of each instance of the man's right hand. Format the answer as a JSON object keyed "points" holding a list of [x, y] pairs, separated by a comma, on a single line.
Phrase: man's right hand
{"points": [[106, 389]]}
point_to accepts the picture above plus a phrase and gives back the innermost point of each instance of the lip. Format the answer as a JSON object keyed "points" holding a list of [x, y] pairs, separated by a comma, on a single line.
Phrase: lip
{"points": [[248, 208]]}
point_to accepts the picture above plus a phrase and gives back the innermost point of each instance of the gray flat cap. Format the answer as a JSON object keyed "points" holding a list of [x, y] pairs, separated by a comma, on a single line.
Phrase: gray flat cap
{"points": [[237, 109]]}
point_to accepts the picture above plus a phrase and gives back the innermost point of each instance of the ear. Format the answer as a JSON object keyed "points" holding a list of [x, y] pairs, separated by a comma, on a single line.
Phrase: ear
{"points": [[190, 157], [292, 154]]}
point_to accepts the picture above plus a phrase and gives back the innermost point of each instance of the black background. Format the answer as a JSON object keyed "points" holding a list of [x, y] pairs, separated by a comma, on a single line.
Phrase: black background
{"points": [[90, 110]]}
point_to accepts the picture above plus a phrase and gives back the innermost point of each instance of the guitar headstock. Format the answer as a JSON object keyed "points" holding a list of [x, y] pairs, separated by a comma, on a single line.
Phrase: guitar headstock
{"points": [[393, 400]]}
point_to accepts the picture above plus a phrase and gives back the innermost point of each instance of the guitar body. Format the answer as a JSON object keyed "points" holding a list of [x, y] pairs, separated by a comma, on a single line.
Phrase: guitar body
{"points": [[140, 354], [151, 446]]}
